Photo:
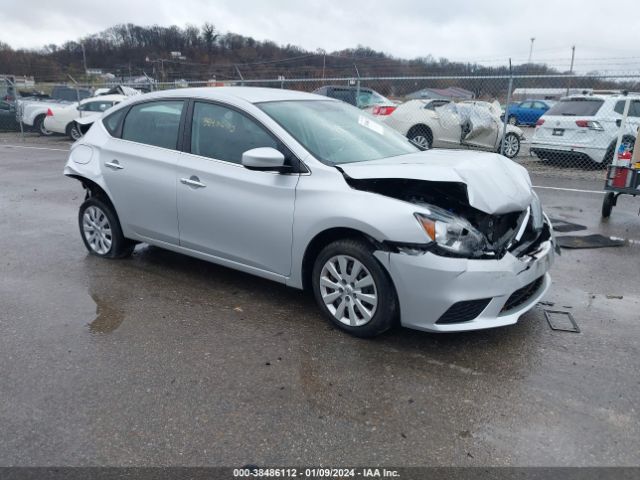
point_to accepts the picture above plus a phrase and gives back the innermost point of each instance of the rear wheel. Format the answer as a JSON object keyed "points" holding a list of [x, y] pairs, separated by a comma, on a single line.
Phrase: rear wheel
{"points": [[100, 230], [38, 126], [421, 136], [353, 290], [73, 131]]}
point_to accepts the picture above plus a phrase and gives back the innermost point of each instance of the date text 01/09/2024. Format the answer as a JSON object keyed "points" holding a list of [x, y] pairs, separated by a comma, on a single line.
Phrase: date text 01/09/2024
{"points": [[254, 472]]}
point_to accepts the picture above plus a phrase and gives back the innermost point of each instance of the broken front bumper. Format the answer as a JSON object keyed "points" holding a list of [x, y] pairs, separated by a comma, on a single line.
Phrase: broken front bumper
{"points": [[442, 294]]}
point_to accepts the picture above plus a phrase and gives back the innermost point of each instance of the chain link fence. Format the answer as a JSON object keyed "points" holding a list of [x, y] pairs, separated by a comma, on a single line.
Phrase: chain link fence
{"points": [[562, 125]]}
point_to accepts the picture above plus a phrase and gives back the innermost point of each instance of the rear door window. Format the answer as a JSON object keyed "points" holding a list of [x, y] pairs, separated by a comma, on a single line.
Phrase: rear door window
{"points": [[586, 107], [154, 123]]}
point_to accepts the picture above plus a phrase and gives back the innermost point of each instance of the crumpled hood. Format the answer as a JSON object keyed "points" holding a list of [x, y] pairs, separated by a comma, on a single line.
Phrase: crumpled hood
{"points": [[495, 184]]}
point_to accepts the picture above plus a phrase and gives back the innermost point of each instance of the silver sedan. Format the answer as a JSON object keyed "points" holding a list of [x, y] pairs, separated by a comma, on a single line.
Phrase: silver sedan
{"points": [[314, 193]]}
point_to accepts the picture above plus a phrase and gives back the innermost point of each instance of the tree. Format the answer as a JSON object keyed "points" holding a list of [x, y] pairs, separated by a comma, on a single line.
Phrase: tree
{"points": [[209, 35]]}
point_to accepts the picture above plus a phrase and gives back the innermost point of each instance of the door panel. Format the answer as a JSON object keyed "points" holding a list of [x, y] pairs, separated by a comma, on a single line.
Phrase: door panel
{"points": [[142, 181], [241, 215], [224, 209], [140, 169]]}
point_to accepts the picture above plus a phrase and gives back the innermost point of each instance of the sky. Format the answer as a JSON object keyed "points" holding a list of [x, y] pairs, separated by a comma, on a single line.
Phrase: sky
{"points": [[486, 32]]}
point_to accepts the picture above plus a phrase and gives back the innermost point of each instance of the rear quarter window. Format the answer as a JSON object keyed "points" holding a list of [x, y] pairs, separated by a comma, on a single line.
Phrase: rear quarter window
{"points": [[586, 107], [112, 122]]}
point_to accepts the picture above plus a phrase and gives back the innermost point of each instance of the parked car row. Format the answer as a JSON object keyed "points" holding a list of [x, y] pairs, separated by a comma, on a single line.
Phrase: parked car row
{"points": [[60, 111], [439, 123]]}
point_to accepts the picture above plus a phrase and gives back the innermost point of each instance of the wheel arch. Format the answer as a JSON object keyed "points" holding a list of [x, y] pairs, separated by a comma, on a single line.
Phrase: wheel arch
{"points": [[424, 126], [93, 189], [324, 238]]}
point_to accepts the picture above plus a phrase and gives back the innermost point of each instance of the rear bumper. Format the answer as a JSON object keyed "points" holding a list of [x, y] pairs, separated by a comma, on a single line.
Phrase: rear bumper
{"points": [[552, 150], [430, 287]]}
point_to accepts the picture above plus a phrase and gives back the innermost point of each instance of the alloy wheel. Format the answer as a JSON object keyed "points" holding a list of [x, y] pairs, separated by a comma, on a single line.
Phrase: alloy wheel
{"points": [[348, 290], [97, 230], [511, 145], [421, 141]]}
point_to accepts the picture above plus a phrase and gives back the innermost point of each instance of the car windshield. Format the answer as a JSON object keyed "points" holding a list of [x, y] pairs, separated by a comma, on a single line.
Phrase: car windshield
{"points": [[576, 106], [335, 132]]}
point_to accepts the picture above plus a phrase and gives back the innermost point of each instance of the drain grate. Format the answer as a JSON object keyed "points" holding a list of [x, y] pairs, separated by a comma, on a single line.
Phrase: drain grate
{"points": [[563, 321]]}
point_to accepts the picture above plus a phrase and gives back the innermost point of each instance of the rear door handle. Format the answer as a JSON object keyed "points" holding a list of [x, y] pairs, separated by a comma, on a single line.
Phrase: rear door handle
{"points": [[193, 181], [114, 164]]}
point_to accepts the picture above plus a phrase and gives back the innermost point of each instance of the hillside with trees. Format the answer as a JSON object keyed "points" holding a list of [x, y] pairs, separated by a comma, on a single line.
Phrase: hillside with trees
{"points": [[130, 50]]}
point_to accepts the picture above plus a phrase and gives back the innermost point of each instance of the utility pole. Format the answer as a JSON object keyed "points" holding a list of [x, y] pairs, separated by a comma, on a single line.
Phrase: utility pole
{"points": [[533, 39], [84, 57], [324, 62], [573, 56]]}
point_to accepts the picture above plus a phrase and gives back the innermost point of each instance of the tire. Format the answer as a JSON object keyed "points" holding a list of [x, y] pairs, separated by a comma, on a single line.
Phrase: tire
{"points": [[350, 311], [38, 126], [421, 136], [607, 204], [512, 120], [511, 145], [98, 216], [73, 131]]}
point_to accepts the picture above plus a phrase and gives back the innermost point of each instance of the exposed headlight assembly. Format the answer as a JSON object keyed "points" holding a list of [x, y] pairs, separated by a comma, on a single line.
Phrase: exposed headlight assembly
{"points": [[451, 233], [537, 217]]}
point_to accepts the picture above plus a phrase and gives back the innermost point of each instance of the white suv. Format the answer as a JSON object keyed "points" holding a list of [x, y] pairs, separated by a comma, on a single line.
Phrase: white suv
{"points": [[585, 127]]}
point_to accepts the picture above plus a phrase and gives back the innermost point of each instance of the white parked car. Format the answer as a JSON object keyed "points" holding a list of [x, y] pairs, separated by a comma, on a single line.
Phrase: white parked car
{"points": [[62, 118], [586, 127], [314, 193], [444, 124]]}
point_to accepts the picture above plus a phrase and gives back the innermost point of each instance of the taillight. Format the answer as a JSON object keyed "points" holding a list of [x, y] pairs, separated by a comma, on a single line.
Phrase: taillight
{"points": [[49, 112], [383, 110], [590, 124], [539, 122]]}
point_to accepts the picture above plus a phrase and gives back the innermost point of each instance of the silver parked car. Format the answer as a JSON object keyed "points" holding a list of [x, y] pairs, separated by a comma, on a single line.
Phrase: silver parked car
{"points": [[312, 192]]}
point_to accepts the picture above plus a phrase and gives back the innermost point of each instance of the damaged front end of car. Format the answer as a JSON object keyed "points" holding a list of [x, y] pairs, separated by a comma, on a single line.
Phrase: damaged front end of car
{"points": [[454, 228]]}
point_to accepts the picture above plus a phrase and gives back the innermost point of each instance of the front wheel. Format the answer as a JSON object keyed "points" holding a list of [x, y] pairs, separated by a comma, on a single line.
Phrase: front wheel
{"points": [[511, 145], [421, 136], [100, 230], [353, 290]]}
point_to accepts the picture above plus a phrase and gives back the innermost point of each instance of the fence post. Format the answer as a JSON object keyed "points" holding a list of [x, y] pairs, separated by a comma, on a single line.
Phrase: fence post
{"points": [[357, 84], [506, 109], [18, 107]]}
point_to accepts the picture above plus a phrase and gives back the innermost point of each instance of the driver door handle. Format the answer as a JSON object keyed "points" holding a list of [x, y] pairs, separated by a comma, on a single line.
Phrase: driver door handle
{"points": [[193, 181], [114, 165]]}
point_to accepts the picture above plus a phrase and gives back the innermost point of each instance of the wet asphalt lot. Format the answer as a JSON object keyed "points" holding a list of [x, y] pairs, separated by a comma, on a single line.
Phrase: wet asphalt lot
{"points": [[163, 359]]}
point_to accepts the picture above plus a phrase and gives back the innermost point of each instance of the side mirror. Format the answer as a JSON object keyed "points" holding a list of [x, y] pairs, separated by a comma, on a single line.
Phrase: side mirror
{"points": [[264, 159]]}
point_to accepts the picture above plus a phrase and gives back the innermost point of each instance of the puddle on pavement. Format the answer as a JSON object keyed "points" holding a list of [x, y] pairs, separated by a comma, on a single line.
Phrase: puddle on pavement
{"points": [[108, 316]]}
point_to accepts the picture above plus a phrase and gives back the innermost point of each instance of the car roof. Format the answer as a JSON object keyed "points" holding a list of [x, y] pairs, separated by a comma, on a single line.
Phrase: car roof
{"points": [[248, 94]]}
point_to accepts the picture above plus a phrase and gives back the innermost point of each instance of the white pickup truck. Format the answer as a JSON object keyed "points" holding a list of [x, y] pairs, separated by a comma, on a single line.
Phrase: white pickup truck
{"points": [[32, 112]]}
